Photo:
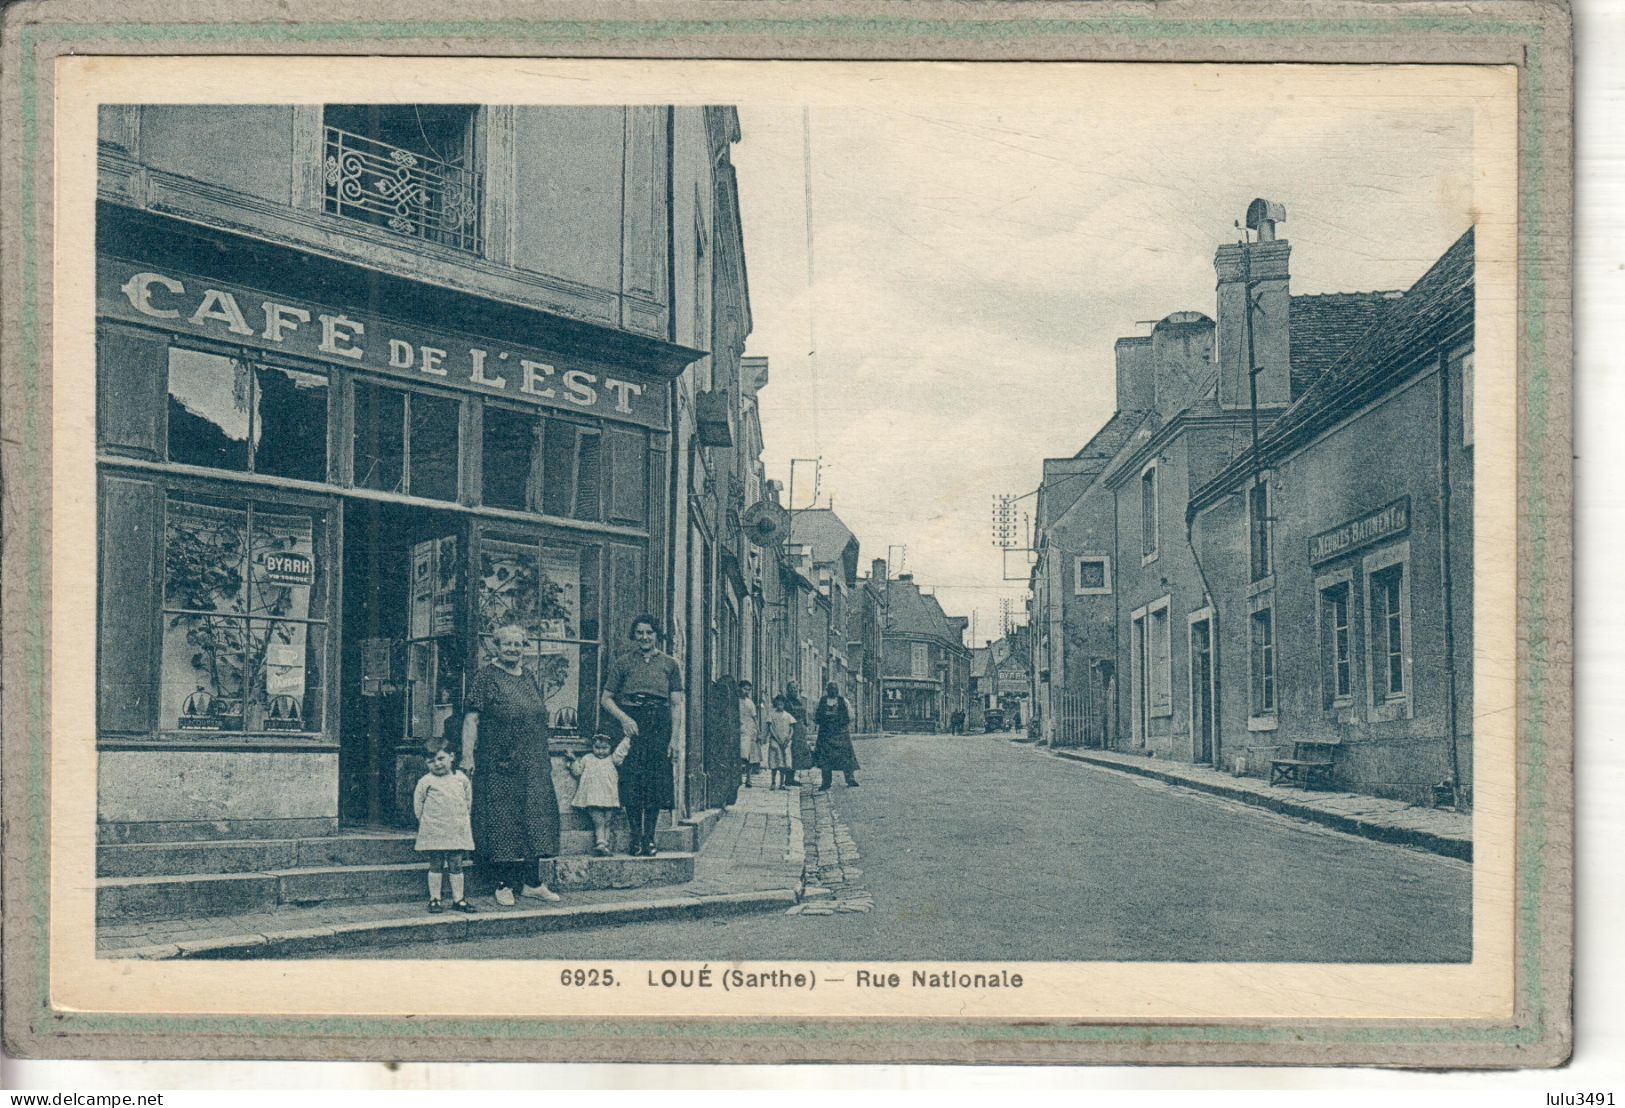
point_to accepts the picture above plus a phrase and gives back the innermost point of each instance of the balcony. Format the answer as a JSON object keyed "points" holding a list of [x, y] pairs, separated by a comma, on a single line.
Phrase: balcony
{"points": [[407, 191]]}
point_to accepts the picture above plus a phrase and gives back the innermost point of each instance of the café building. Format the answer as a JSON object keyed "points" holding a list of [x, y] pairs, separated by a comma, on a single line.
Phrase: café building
{"points": [[321, 488]]}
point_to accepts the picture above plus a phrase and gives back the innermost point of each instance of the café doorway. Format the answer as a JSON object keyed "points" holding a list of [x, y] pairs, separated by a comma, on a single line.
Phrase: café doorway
{"points": [[405, 649]]}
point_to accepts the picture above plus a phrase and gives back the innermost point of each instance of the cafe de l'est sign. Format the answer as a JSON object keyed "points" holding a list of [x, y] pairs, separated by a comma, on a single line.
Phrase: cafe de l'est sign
{"points": [[239, 315]]}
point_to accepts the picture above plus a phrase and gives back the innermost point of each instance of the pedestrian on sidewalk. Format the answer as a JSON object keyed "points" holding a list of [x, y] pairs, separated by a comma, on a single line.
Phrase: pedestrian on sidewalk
{"points": [[441, 802], [644, 693], [506, 752], [801, 752], [749, 735], [781, 726], [834, 717], [599, 791]]}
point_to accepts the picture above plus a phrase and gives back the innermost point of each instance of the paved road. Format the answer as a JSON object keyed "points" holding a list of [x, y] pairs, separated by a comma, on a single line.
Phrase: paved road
{"points": [[975, 848]]}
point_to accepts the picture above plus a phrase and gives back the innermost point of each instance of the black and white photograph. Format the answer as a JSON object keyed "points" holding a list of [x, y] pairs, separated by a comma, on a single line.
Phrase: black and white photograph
{"points": [[563, 542], [735, 532]]}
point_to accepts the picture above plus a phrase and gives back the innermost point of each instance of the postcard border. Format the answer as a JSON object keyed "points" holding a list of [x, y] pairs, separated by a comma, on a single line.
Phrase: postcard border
{"points": [[1534, 36]]}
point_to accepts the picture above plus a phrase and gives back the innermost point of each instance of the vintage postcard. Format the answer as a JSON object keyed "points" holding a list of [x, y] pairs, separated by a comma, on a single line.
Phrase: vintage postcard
{"points": [[1051, 550]]}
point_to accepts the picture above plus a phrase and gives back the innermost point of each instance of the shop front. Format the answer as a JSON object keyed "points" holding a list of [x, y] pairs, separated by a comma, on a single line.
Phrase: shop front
{"points": [[911, 706], [313, 516]]}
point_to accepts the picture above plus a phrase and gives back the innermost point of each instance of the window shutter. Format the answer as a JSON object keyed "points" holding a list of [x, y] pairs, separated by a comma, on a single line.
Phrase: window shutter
{"points": [[589, 475], [128, 606]]}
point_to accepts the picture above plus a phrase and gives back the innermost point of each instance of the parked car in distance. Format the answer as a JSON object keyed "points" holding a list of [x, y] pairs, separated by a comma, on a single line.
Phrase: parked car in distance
{"points": [[993, 719]]}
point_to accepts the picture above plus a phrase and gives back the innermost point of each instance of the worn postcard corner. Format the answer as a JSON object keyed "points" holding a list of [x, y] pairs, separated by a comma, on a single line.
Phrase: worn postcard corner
{"points": [[1048, 547]]}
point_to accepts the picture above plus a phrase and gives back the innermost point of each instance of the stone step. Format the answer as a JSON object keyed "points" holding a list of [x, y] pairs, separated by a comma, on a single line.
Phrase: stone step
{"points": [[251, 855], [183, 896]]}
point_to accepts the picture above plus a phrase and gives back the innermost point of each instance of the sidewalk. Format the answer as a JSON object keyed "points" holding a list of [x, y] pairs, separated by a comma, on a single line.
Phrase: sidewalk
{"points": [[751, 862], [1433, 829]]}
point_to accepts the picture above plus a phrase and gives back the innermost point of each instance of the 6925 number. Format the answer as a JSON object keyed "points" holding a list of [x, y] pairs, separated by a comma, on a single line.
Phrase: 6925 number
{"points": [[571, 977]]}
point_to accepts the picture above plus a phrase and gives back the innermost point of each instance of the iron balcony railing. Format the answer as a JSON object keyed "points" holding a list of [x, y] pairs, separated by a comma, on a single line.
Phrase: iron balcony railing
{"points": [[405, 190]]}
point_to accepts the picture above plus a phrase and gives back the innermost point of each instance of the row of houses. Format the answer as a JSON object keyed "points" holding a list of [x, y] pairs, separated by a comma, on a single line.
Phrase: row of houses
{"points": [[375, 380], [1269, 543]]}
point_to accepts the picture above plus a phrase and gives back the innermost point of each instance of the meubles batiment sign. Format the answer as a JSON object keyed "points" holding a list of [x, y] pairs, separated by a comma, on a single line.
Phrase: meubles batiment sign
{"points": [[1386, 522], [248, 317]]}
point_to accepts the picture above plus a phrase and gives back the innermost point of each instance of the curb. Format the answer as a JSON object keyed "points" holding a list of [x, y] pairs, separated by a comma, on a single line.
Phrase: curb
{"points": [[1460, 849], [348, 936]]}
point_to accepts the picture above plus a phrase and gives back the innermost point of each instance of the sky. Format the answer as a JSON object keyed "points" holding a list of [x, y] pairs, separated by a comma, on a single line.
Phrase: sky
{"points": [[974, 258]]}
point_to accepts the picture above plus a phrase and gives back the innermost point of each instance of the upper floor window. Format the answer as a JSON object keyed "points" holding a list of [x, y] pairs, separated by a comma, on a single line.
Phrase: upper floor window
{"points": [[921, 660], [1258, 529], [1148, 513], [412, 168]]}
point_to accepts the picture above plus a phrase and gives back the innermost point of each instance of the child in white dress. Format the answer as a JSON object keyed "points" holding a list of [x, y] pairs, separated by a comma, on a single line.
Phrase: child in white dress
{"points": [[442, 801], [599, 793]]}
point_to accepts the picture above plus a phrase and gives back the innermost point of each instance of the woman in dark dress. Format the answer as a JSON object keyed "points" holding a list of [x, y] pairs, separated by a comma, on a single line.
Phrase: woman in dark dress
{"points": [[801, 751], [506, 752], [644, 692], [835, 752]]}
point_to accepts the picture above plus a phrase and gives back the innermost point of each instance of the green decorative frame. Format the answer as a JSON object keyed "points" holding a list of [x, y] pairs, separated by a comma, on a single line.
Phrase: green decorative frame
{"points": [[1533, 35]]}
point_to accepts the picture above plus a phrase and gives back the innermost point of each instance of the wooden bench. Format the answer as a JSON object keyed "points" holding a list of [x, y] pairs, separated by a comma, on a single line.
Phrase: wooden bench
{"points": [[1309, 767]]}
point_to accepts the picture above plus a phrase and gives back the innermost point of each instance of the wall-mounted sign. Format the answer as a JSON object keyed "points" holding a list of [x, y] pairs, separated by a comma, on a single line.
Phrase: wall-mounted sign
{"points": [[248, 317], [290, 569], [1384, 523]]}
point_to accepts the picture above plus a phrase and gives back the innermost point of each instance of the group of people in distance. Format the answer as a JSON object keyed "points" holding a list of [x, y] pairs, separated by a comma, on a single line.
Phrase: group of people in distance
{"points": [[494, 795], [779, 741], [498, 798]]}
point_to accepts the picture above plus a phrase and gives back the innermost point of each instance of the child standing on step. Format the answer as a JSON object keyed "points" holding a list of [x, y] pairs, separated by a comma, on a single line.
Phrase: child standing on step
{"points": [[441, 801], [599, 794], [781, 726]]}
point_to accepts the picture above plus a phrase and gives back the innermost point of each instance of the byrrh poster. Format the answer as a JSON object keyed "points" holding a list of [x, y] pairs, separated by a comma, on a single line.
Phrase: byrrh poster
{"points": [[956, 546]]}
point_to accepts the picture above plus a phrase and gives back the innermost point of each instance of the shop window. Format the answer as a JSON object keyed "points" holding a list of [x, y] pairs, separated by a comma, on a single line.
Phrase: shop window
{"points": [[553, 593], [1336, 648], [405, 442], [1258, 530], [232, 413], [244, 618], [1148, 513], [412, 169], [1262, 627], [1092, 576], [1388, 633]]}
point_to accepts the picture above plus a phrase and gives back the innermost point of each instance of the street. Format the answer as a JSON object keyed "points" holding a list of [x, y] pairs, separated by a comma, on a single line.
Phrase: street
{"points": [[975, 848]]}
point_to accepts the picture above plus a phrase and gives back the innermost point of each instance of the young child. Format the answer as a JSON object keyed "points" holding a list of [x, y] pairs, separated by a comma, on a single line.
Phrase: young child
{"points": [[781, 726], [749, 735], [442, 801], [599, 794]]}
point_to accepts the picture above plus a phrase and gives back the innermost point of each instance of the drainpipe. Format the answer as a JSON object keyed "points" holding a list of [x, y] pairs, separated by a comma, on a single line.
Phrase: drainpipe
{"points": [[1451, 708]]}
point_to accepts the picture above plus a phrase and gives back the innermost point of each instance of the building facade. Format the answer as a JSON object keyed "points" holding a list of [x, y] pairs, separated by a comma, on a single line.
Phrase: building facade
{"points": [[373, 381], [1161, 625], [924, 663]]}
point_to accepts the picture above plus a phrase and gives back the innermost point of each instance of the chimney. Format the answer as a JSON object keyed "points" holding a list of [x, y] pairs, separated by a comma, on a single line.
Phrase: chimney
{"points": [[1182, 354], [1136, 381], [877, 571], [1266, 262]]}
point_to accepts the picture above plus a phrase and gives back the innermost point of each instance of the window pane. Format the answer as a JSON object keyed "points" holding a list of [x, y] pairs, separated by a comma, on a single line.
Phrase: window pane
{"points": [[209, 398], [588, 475], [205, 546], [380, 445], [286, 676], [282, 564], [433, 447], [290, 439], [203, 673], [559, 468], [1091, 574], [512, 460]]}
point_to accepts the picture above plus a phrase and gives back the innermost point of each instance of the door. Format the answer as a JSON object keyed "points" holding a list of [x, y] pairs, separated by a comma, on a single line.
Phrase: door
{"points": [[404, 646], [1203, 725]]}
